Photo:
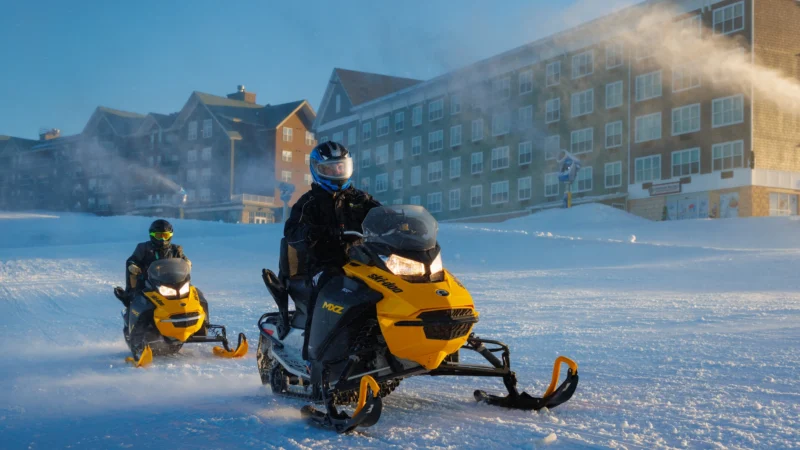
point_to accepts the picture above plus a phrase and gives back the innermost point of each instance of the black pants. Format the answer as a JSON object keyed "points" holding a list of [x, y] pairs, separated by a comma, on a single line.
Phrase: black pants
{"points": [[318, 281]]}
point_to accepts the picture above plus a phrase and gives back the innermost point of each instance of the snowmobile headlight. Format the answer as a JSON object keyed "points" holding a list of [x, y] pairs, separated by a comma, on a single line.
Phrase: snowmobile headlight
{"points": [[184, 290], [436, 265], [167, 291], [404, 266]]}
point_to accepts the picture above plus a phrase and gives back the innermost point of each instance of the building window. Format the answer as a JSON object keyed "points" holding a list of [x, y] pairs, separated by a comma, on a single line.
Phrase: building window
{"points": [[416, 175], [525, 153], [526, 81], [648, 168], [476, 196], [499, 192], [382, 182], [397, 177], [191, 155], [455, 167], [781, 204], [500, 158], [686, 162], [477, 130], [614, 95], [309, 138], [526, 117], [686, 119], [366, 131], [455, 136], [551, 184], [306, 158], [582, 103], [286, 156], [286, 175], [416, 145], [647, 45], [692, 25], [207, 128], [614, 134], [205, 194], [648, 86], [366, 158], [552, 145], [685, 78], [307, 179], [613, 173], [434, 171], [583, 180], [552, 110], [524, 188], [435, 202], [382, 126], [397, 201], [416, 116], [287, 134], [583, 64], [399, 120], [477, 162], [727, 155], [398, 151], [205, 154], [501, 123], [727, 111], [205, 174], [191, 176], [351, 136], [614, 55], [553, 73], [435, 110], [455, 199], [582, 141], [381, 155], [729, 19], [192, 130], [502, 88], [415, 200], [338, 136], [648, 127], [324, 139], [338, 103], [191, 195], [435, 140], [365, 184], [455, 103]]}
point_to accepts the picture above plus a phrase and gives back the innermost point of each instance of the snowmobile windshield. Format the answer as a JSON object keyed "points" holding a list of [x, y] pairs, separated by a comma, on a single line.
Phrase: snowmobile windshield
{"points": [[404, 227], [169, 272]]}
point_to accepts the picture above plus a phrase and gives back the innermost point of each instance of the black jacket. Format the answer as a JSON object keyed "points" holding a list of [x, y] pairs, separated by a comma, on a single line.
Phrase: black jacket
{"points": [[318, 208], [146, 253]]}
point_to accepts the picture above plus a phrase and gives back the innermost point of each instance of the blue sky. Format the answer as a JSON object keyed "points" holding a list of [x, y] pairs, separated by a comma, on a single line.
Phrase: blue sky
{"points": [[60, 60]]}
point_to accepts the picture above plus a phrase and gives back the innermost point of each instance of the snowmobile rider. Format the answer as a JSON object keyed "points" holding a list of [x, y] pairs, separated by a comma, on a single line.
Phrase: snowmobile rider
{"points": [[319, 218], [159, 246]]}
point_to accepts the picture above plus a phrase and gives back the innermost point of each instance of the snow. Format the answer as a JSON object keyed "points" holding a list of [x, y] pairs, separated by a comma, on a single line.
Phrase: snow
{"points": [[686, 336]]}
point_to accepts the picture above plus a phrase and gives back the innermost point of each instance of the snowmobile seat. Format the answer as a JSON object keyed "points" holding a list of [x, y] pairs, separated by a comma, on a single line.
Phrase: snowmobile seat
{"points": [[294, 276]]}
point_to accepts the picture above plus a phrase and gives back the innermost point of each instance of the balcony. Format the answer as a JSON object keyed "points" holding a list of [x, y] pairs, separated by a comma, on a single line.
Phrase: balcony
{"points": [[258, 200]]}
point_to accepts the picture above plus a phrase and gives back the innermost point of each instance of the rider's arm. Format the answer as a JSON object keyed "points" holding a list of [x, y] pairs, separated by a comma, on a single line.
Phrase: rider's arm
{"points": [[137, 257], [297, 229]]}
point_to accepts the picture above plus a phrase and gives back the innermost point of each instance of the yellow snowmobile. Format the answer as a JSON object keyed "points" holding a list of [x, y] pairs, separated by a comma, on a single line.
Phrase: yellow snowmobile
{"points": [[396, 313], [169, 312]]}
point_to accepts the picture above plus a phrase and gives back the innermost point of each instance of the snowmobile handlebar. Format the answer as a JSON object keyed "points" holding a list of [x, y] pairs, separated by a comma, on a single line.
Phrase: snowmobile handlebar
{"points": [[353, 233]]}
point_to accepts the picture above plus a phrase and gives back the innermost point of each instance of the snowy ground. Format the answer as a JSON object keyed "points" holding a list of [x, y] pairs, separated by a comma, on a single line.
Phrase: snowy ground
{"points": [[686, 338]]}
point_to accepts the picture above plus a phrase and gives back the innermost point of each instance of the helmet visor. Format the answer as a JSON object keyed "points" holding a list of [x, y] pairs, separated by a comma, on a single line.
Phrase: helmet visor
{"points": [[161, 235], [336, 169]]}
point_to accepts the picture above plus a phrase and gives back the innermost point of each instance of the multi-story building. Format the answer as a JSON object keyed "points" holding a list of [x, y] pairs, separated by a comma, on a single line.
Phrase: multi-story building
{"points": [[655, 132], [226, 154]]}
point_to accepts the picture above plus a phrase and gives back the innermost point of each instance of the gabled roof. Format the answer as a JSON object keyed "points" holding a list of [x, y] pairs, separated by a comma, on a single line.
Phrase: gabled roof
{"points": [[277, 114], [164, 121], [223, 106], [364, 86], [10, 145], [124, 123]]}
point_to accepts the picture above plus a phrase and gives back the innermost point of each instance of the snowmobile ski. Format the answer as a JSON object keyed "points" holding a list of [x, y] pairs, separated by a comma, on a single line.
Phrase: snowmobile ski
{"points": [[226, 352], [144, 359], [367, 412], [552, 397]]}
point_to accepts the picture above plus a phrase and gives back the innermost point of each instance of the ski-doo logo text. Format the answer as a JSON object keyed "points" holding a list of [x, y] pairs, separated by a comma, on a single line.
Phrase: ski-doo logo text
{"points": [[332, 308], [385, 283]]}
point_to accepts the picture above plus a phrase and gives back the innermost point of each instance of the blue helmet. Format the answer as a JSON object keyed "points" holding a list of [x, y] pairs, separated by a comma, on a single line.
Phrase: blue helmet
{"points": [[331, 166]]}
